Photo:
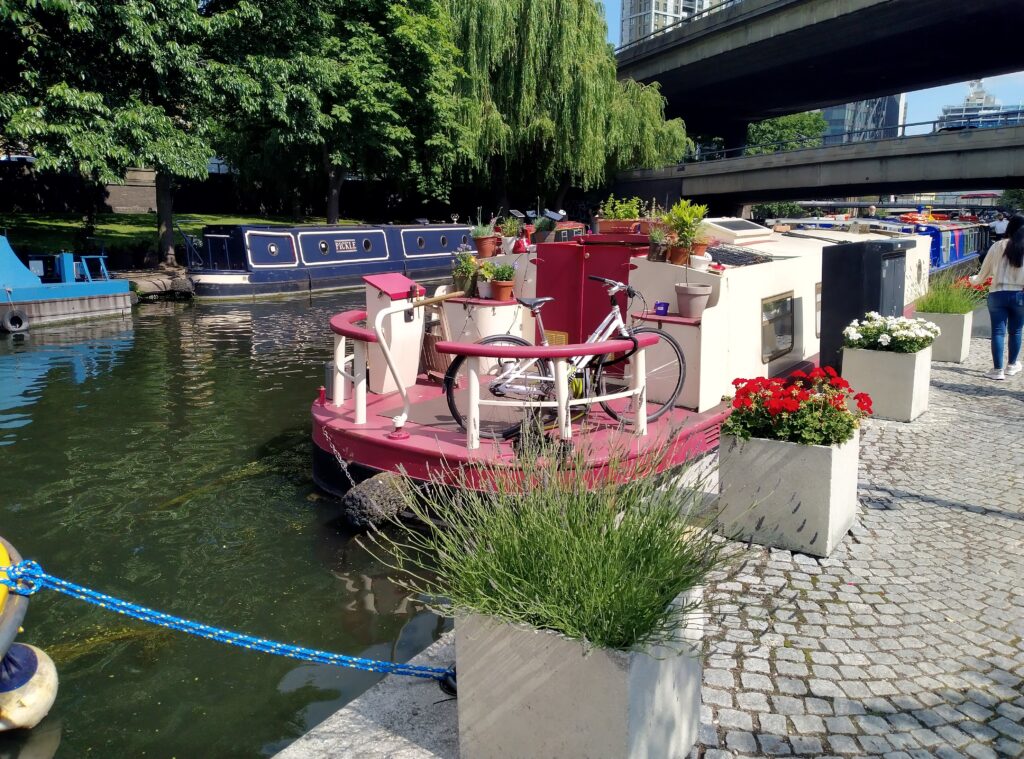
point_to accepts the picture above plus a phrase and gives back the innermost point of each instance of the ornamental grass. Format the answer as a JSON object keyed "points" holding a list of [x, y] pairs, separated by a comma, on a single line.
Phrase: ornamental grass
{"points": [[810, 409], [542, 544], [947, 295]]}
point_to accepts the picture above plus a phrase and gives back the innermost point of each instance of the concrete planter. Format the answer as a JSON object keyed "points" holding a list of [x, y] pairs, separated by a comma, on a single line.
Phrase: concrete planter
{"points": [[785, 495], [955, 341], [525, 692], [897, 382]]}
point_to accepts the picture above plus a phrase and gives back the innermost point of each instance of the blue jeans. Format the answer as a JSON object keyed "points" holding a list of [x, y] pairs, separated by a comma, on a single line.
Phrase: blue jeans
{"points": [[1006, 307]]}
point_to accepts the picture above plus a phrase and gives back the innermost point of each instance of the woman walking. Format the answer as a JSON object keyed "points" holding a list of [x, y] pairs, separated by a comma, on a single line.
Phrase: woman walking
{"points": [[1005, 264]]}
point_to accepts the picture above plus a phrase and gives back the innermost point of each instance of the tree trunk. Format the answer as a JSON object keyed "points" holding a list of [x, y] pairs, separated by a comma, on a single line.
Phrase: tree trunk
{"points": [[563, 188], [165, 218], [335, 178]]}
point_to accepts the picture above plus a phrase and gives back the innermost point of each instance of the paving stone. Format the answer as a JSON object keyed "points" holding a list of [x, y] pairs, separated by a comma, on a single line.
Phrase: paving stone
{"points": [[752, 702], [804, 745], [808, 723], [773, 723], [773, 745], [740, 741], [731, 718]]}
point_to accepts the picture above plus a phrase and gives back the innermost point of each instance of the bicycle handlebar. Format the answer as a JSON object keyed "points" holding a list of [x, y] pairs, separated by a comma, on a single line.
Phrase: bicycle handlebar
{"points": [[614, 286]]}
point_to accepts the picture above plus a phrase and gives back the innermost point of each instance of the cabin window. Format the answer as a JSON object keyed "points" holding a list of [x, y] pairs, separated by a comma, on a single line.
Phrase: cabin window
{"points": [[272, 249], [444, 241], [777, 326], [817, 310], [465, 240], [324, 248], [367, 245], [421, 243]]}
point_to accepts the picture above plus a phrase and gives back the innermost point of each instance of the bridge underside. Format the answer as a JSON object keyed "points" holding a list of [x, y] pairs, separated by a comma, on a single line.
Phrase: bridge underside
{"points": [[787, 56], [980, 159]]}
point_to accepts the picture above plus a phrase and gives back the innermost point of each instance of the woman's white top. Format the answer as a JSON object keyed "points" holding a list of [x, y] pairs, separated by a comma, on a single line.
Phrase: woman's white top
{"points": [[1004, 276]]}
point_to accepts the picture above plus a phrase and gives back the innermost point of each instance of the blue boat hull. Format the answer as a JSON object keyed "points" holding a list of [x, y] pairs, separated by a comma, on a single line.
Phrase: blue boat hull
{"points": [[248, 262]]}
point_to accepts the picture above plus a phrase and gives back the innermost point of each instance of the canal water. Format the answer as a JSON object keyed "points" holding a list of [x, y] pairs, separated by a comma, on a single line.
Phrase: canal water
{"points": [[164, 459]]}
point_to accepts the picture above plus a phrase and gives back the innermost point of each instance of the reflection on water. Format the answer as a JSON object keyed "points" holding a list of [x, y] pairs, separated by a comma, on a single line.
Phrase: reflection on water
{"points": [[165, 459], [84, 351]]}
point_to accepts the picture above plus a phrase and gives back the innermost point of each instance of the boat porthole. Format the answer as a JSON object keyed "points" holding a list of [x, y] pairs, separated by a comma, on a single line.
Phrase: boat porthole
{"points": [[324, 248], [367, 245], [465, 240], [272, 249], [444, 241], [421, 243]]}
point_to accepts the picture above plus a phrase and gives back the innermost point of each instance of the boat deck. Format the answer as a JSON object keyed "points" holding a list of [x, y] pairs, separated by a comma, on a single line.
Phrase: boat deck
{"points": [[433, 445]]}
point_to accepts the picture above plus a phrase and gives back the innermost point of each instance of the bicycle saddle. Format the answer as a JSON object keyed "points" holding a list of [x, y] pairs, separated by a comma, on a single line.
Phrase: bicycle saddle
{"points": [[534, 304]]}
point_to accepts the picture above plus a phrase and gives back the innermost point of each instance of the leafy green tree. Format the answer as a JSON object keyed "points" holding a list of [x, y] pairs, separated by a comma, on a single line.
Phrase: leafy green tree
{"points": [[542, 106], [1012, 199], [781, 210], [98, 86], [798, 130], [362, 87]]}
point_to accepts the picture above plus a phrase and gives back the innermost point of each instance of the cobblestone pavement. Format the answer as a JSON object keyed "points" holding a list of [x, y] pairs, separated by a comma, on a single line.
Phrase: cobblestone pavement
{"points": [[909, 640]]}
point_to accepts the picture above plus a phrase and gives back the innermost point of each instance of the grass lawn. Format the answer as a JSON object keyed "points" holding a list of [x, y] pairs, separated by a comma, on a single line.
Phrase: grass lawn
{"points": [[53, 232]]}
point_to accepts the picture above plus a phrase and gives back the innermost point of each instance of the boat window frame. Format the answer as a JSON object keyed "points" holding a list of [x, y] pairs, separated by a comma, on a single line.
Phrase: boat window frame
{"points": [[790, 295]]}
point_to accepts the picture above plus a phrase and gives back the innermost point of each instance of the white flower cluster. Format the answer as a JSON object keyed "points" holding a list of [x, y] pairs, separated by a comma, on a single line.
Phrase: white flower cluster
{"points": [[892, 333]]}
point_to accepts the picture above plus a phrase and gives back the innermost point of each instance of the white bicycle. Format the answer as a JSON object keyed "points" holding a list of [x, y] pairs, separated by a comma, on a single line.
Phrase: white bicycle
{"points": [[531, 380]]}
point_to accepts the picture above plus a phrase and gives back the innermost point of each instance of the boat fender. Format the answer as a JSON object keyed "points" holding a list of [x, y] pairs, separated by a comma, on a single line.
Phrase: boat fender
{"points": [[14, 320], [375, 501], [28, 687]]}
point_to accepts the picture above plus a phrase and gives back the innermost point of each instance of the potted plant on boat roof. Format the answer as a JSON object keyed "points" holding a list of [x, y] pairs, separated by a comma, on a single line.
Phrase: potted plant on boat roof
{"points": [[950, 303], [683, 221], [790, 447], [890, 357], [657, 245], [484, 277], [588, 590], [484, 238], [620, 216], [543, 229], [502, 281], [464, 269], [511, 229]]}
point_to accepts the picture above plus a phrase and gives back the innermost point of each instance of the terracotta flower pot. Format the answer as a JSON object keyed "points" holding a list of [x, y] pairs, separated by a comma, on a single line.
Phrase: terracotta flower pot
{"points": [[539, 237], [501, 290], [485, 246], [698, 249], [618, 226], [692, 299], [678, 254]]}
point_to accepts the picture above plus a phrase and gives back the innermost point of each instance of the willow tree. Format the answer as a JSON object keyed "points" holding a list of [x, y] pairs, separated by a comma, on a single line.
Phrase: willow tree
{"points": [[541, 103]]}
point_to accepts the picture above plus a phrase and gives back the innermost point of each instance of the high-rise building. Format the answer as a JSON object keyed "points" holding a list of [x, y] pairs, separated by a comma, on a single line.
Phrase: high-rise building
{"points": [[641, 18], [978, 110], [874, 119]]}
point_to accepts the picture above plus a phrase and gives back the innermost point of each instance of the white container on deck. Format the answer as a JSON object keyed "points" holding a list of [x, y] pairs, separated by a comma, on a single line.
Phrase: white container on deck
{"points": [[526, 692], [403, 331]]}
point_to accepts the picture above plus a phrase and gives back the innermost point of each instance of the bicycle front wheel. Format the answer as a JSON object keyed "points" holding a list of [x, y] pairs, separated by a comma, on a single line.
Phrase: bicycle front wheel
{"points": [[666, 373], [500, 379]]}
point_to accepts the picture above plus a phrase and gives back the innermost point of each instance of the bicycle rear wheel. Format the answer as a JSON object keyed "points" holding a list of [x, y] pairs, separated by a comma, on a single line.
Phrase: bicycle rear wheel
{"points": [[666, 373], [533, 383]]}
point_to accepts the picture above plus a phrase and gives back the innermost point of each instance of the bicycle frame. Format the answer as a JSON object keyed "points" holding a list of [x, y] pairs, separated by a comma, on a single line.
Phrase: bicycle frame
{"points": [[611, 324]]}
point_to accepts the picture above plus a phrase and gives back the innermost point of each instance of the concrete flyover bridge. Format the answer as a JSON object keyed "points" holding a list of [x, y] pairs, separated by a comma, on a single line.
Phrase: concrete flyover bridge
{"points": [[990, 158], [754, 59]]}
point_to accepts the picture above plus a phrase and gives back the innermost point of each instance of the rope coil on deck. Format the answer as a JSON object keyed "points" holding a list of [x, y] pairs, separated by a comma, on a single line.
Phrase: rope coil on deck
{"points": [[27, 578]]}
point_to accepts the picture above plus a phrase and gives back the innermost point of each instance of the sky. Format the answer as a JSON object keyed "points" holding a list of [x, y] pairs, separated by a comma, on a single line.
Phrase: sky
{"points": [[922, 105]]}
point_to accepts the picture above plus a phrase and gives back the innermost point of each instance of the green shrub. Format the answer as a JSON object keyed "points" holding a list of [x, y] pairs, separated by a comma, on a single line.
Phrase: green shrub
{"points": [[541, 545], [504, 273]]}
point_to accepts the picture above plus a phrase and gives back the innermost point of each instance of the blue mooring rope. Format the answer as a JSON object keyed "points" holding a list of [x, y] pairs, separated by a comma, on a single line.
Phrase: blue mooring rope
{"points": [[27, 578]]}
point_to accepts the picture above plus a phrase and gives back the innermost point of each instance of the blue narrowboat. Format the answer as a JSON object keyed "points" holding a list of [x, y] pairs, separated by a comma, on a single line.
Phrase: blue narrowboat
{"points": [[248, 261]]}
